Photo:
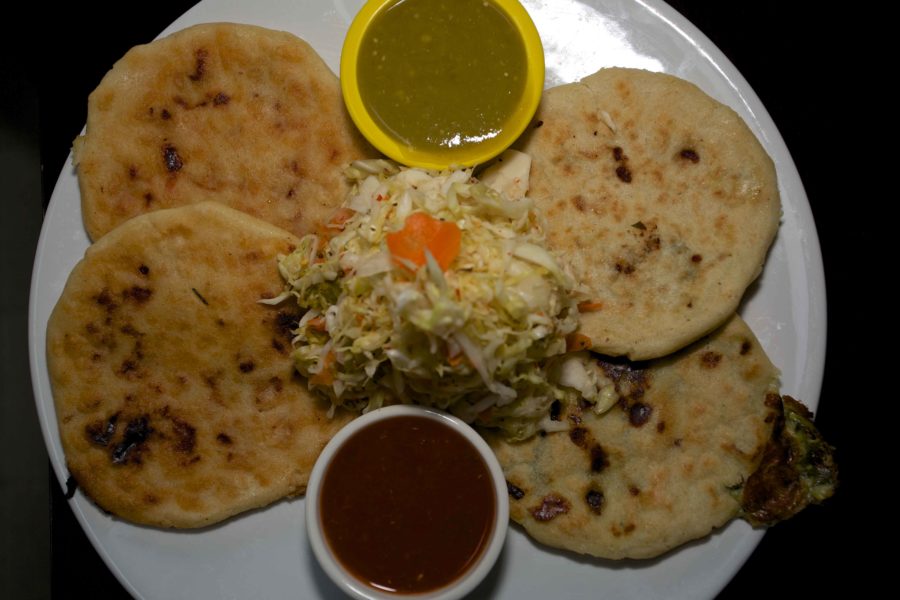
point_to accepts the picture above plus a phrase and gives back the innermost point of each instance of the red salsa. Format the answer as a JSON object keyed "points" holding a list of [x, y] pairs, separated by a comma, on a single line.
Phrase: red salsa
{"points": [[407, 505]]}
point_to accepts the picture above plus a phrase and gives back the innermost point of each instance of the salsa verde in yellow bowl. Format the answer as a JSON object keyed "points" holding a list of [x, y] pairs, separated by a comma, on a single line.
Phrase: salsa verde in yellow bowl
{"points": [[441, 83]]}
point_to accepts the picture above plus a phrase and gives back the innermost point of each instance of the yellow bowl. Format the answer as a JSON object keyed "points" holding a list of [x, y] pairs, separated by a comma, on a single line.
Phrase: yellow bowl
{"points": [[429, 155]]}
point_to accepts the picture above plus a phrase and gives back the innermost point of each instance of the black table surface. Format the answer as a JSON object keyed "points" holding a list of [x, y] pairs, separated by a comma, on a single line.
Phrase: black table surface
{"points": [[787, 53]]}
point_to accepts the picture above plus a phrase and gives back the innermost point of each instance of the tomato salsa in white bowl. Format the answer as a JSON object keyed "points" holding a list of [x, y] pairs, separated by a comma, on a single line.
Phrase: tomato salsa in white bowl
{"points": [[407, 501]]}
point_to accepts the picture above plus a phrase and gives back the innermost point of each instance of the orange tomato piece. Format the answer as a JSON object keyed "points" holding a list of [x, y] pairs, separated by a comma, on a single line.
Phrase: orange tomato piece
{"points": [[420, 232]]}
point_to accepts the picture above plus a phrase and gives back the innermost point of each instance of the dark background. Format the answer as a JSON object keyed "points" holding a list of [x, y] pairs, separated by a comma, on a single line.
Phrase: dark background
{"points": [[797, 58]]}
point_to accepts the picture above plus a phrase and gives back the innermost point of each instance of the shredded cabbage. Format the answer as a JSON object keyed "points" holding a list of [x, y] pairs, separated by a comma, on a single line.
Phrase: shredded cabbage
{"points": [[479, 340]]}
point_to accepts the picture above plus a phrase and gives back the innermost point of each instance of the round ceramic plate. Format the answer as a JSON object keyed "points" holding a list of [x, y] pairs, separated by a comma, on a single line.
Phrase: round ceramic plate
{"points": [[264, 554]]}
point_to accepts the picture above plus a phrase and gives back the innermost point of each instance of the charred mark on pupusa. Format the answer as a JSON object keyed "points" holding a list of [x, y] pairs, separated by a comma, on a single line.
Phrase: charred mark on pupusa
{"points": [[129, 449], [551, 507], [172, 161], [599, 458], [515, 492], [710, 359], [639, 413], [101, 433], [594, 499], [690, 154]]}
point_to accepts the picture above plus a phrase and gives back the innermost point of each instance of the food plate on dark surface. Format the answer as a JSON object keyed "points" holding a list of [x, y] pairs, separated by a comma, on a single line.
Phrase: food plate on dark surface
{"points": [[265, 552]]}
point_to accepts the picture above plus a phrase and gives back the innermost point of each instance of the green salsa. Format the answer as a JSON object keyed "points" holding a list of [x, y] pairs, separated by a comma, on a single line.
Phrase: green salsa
{"points": [[442, 73]]}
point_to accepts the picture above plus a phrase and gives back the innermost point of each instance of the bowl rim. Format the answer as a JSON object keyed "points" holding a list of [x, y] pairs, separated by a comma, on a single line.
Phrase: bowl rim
{"points": [[475, 154], [358, 589]]}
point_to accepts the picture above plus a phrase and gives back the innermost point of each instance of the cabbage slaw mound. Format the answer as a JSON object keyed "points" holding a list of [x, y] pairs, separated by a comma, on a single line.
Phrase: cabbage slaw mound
{"points": [[434, 289]]}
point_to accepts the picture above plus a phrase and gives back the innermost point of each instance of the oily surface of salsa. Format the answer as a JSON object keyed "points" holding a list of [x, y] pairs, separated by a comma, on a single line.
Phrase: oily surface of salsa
{"points": [[442, 73], [407, 504]]}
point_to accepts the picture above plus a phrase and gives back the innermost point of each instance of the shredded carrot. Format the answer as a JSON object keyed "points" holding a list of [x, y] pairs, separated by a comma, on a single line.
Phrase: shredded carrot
{"points": [[485, 415], [317, 324], [324, 235], [326, 375], [421, 232], [589, 306], [327, 231], [455, 359], [341, 216], [577, 341]]}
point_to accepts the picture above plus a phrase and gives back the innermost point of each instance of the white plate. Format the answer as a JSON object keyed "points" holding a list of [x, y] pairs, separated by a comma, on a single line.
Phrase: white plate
{"points": [[265, 554]]}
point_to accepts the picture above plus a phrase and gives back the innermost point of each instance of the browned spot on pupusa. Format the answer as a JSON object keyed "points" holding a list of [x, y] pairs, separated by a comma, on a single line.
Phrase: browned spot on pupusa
{"points": [[185, 436], [583, 438], [746, 346], [200, 56], [624, 267], [137, 294], [129, 330], [551, 507], [622, 170], [625, 530], [599, 459], [224, 439], [212, 380], [580, 436], [221, 99], [130, 365], [104, 299], [276, 384], [690, 154], [579, 203], [623, 173], [710, 359], [594, 499], [652, 243]]}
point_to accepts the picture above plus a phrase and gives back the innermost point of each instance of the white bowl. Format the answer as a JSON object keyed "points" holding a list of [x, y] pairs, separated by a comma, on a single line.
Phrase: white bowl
{"points": [[356, 588]]}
